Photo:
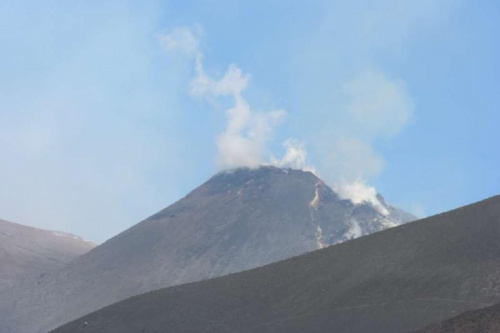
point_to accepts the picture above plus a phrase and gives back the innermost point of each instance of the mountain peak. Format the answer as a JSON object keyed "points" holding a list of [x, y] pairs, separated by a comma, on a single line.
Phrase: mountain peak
{"points": [[238, 220], [262, 171], [235, 179]]}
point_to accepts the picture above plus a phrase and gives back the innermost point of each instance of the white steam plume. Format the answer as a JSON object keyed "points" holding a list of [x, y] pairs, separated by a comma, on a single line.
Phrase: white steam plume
{"points": [[358, 192], [375, 106], [295, 156], [243, 143], [244, 140]]}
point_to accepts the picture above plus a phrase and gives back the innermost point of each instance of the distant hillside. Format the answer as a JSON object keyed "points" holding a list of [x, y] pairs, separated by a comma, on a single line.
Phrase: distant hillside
{"points": [[237, 220], [397, 280], [27, 251]]}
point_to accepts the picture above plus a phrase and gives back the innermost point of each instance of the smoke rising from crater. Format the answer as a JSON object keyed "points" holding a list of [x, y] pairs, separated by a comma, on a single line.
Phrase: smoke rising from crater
{"points": [[374, 106], [247, 134]]}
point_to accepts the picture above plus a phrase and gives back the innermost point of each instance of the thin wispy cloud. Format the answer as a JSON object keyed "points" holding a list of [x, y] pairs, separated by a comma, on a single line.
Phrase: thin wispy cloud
{"points": [[182, 39]]}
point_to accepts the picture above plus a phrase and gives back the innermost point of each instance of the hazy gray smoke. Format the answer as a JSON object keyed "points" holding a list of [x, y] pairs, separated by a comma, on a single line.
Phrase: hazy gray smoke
{"points": [[375, 106], [295, 156]]}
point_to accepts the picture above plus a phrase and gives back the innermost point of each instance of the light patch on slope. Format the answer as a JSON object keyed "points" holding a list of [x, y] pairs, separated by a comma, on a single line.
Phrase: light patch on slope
{"points": [[66, 235], [319, 238], [389, 223], [313, 206], [71, 236], [315, 201]]}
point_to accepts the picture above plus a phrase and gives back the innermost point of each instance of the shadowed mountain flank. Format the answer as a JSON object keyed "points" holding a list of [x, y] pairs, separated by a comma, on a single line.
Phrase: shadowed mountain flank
{"points": [[236, 221], [397, 280]]}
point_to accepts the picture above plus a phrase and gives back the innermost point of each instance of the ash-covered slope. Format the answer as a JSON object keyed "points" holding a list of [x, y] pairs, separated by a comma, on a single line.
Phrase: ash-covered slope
{"points": [[236, 221], [397, 280], [485, 320], [27, 251]]}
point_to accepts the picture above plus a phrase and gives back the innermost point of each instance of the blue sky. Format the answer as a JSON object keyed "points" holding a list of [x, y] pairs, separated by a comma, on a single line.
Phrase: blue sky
{"points": [[100, 127]]}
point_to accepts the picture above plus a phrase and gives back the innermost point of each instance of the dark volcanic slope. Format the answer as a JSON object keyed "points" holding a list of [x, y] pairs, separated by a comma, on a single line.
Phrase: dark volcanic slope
{"points": [[486, 320], [27, 251], [397, 280], [236, 221]]}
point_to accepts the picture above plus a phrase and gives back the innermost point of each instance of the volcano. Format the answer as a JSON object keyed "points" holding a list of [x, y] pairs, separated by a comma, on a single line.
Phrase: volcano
{"points": [[238, 220]]}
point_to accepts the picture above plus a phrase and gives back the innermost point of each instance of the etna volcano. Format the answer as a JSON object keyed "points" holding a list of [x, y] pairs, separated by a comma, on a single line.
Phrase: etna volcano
{"points": [[236, 221]]}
